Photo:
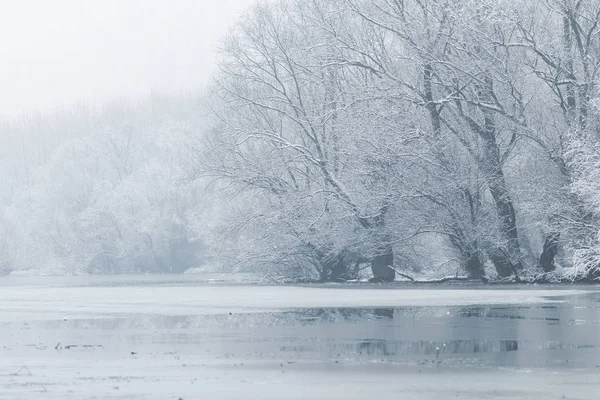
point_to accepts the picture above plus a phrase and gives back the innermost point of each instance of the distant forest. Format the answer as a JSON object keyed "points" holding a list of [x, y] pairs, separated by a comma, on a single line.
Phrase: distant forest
{"points": [[339, 140]]}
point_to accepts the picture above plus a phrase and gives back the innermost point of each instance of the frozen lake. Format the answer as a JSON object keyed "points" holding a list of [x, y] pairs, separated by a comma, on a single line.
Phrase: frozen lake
{"points": [[214, 337]]}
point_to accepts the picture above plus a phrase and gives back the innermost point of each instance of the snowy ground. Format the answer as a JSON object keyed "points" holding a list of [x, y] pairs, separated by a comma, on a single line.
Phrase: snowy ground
{"points": [[169, 339]]}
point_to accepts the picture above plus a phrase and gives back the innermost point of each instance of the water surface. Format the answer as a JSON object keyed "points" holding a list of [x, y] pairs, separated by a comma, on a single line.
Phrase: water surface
{"points": [[50, 346]]}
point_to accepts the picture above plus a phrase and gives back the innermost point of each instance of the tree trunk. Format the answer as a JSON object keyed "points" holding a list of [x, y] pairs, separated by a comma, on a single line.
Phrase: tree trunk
{"points": [[501, 262], [492, 166], [380, 266], [339, 269], [383, 262], [333, 267], [490, 163], [546, 260], [508, 220], [474, 266], [470, 255]]}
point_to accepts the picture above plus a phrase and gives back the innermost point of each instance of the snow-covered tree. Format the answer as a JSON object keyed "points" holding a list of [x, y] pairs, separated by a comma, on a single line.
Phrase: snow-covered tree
{"points": [[113, 199]]}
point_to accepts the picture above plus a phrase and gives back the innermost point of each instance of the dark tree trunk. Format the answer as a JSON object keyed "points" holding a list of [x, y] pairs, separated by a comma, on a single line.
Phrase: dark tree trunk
{"points": [[470, 255], [491, 164], [333, 267], [434, 112], [339, 269], [474, 266], [546, 260], [381, 264], [501, 262], [508, 221], [571, 102]]}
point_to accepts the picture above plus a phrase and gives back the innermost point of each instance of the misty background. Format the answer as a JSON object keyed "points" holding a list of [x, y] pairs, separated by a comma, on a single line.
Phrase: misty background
{"points": [[93, 95], [60, 53]]}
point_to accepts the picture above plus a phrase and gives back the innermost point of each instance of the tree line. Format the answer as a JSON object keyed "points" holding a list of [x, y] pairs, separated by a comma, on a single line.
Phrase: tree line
{"points": [[387, 131], [102, 191]]}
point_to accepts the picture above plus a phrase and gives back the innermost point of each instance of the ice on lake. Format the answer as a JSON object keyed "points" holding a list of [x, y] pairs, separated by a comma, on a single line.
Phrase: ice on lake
{"points": [[211, 337]]}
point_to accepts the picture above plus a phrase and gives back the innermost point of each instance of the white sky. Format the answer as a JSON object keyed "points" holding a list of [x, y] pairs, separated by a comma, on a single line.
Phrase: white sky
{"points": [[54, 53]]}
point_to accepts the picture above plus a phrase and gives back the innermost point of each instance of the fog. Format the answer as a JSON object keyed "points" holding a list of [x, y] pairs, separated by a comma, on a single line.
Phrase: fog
{"points": [[56, 53]]}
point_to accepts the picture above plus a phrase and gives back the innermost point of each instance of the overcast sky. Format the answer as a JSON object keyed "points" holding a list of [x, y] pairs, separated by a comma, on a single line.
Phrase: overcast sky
{"points": [[57, 52]]}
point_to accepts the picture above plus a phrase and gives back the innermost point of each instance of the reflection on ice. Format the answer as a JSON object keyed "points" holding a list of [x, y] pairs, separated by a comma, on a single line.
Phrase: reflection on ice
{"points": [[486, 335], [132, 338]]}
